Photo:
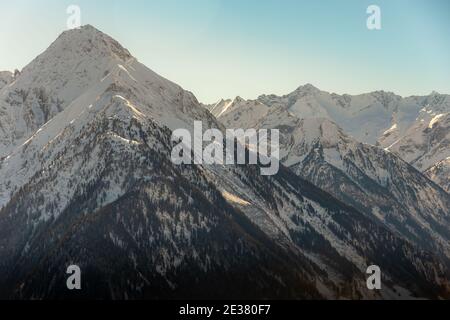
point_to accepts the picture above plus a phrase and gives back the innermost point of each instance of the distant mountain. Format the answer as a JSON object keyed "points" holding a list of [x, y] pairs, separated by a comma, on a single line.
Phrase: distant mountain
{"points": [[415, 128], [365, 117], [87, 179]]}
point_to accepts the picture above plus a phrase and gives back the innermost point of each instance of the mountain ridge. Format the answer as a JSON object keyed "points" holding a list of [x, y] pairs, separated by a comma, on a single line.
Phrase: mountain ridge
{"points": [[404, 126], [91, 182]]}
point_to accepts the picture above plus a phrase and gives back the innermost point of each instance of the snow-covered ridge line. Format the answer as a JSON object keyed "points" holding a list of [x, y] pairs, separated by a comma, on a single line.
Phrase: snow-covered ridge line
{"points": [[415, 128], [361, 174]]}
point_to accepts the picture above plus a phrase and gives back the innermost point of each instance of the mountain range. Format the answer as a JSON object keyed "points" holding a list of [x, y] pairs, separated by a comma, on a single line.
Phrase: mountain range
{"points": [[87, 179], [414, 128]]}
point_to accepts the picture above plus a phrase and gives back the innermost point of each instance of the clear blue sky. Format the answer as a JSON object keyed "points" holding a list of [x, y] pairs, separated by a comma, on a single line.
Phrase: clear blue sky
{"points": [[224, 48]]}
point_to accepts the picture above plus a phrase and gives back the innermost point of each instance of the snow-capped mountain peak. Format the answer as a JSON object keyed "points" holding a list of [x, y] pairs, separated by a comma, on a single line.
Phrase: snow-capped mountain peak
{"points": [[86, 40], [72, 62], [319, 150], [77, 69]]}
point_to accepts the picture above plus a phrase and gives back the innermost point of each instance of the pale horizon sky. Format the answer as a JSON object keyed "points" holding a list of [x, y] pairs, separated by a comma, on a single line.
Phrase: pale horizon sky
{"points": [[225, 48]]}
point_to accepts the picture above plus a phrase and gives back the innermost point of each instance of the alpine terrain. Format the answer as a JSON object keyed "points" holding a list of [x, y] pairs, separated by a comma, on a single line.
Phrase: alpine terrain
{"points": [[87, 179]]}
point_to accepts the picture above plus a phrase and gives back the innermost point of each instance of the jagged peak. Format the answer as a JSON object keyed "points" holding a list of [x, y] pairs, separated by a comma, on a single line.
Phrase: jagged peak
{"points": [[86, 39], [307, 88], [383, 93], [238, 99]]}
